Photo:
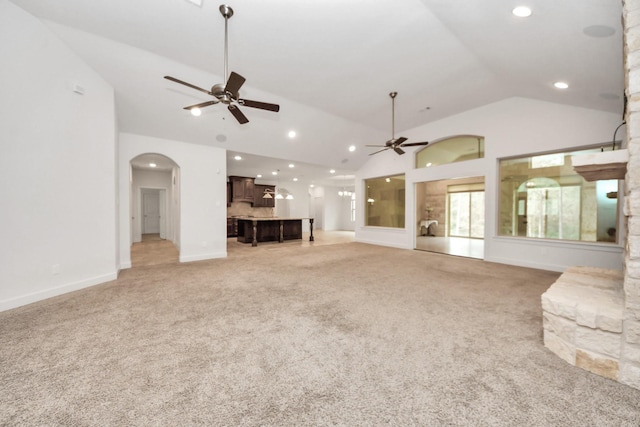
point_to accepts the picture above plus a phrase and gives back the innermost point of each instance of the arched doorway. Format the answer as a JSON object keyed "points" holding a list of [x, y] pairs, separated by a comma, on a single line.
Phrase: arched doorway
{"points": [[155, 209]]}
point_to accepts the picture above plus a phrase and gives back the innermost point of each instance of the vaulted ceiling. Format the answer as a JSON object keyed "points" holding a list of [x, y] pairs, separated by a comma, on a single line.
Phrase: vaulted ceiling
{"points": [[331, 64]]}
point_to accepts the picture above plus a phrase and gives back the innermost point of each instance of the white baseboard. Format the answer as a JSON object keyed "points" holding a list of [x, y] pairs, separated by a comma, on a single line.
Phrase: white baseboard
{"points": [[382, 243], [528, 264], [21, 300], [202, 257]]}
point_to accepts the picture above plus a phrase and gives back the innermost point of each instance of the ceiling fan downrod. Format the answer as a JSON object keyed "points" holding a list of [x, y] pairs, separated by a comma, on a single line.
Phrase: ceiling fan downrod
{"points": [[227, 13], [393, 114]]}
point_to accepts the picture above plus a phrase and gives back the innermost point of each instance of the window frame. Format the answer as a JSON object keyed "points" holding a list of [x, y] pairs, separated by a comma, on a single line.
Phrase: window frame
{"points": [[570, 180], [401, 200]]}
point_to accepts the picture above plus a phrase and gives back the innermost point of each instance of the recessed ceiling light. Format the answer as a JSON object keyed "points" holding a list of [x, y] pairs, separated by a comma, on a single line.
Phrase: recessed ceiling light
{"points": [[152, 165], [259, 176], [352, 148], [429, 164], [561, 85], [295, 179], [291, 165], [292, 134], [195, 112], [311, 185], [274, 173], [388, 179], [332, 171], [521, 11], [238, 158]]}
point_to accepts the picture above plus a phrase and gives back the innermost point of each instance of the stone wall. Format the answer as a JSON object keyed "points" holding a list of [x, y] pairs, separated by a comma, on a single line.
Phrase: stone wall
{"points": [[592, 318], [630, 354], [583, 319]]}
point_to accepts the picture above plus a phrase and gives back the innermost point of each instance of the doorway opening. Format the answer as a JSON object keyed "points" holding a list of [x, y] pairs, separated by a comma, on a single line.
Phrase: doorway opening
{"points": [[155, 210], [450, 216]]}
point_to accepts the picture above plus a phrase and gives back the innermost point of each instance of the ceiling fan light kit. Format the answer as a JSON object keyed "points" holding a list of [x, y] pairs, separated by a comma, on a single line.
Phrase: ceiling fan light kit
{"points": [[395, 144], [228, 92]]}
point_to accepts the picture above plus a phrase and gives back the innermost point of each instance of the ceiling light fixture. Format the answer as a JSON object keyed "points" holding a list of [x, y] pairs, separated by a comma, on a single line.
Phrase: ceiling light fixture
{"points": [[280, 193], [291, 165], [292, 134], [332, 171], [344, 192], [195, 111], [561, 85], [521, 12], [152, 165], [238, 158], [259, 176], [352, 148]]}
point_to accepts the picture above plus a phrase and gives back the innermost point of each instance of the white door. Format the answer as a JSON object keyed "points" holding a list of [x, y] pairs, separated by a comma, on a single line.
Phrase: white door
{"points": [[150, 213], [163, 213]]}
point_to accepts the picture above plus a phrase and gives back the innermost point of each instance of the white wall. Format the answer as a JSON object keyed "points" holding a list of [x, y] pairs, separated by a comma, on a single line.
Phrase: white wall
{"points": [[512, 127], [202, 189], [336, 209], [58, 149]]}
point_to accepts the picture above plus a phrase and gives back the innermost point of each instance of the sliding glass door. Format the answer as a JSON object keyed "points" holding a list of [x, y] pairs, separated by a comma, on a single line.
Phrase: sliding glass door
{"points": [[466, 214]]}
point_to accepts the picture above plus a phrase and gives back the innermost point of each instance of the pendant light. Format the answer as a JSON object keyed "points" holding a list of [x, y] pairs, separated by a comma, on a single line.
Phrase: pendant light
{"points": [[279, 194]]}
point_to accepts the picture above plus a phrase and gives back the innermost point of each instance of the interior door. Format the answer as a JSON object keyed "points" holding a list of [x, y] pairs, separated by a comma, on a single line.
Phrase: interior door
{"points": [[150, 213], [162, 198]]}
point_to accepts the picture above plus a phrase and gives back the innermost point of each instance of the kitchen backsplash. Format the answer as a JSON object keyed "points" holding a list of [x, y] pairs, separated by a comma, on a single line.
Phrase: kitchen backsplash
{"points": [[245, 209]]}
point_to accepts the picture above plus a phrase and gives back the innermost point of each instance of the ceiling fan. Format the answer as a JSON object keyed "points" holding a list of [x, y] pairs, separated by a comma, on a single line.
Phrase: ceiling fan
{"points": [[395, 144], [228, 92]]}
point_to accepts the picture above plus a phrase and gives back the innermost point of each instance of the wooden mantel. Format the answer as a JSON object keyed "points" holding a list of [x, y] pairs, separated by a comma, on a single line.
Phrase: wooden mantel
{"points": [[603, 165]]}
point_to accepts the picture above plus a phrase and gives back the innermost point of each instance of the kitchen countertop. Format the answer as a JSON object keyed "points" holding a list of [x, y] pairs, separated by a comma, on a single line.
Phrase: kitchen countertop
{"points": [[274, 218]]}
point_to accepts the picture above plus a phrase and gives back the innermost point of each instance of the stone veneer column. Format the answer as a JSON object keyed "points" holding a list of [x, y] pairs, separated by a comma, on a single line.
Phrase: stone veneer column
{"points": [[630, 353]]}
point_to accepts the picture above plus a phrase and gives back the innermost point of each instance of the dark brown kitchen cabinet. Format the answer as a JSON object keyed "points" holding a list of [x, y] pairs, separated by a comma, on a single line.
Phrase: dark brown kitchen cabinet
{"points": [[232, 227], [242, 189], [259, 201]]}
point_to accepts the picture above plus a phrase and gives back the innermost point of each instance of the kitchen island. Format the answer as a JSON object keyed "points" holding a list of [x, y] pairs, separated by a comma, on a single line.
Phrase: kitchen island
{"points": [[254, 230]]}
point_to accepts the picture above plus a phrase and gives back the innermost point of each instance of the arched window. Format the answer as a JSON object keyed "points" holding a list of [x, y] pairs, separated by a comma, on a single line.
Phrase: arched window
{"points": [[451, 150]]}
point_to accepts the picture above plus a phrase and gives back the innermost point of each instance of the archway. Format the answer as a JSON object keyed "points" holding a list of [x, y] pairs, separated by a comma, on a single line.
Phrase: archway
{"points": [[155, 209]]}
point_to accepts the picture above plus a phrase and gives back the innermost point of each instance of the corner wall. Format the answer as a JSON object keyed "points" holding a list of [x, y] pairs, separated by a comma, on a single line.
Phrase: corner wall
{"points": [[202, 189], [630, 357], [58, 148]]}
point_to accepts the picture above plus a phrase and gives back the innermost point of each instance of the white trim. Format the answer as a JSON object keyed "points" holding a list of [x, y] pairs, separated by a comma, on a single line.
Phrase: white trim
{"points": [[203, 257], [53, 292], [382, 243]]}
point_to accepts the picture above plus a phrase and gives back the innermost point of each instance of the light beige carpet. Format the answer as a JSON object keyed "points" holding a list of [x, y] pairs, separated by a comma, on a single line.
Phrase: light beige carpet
{"points": [[347, 334]]}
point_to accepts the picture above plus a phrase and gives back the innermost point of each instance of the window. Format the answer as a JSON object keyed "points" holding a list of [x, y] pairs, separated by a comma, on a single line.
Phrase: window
{"points": [[451, 150], [384, 201], [353, 207], [466, 210], [541, 196]]}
